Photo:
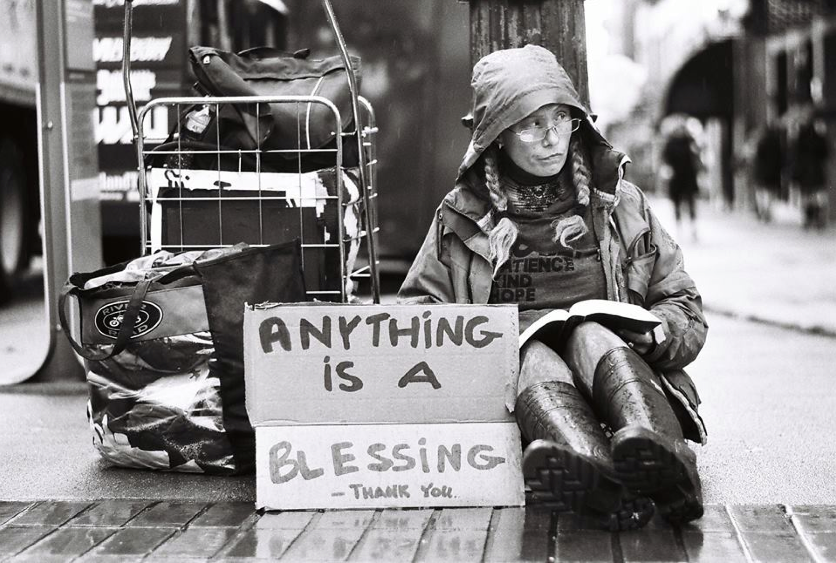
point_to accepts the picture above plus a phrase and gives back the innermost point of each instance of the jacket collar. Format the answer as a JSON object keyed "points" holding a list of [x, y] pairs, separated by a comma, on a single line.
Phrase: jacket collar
{"points": [[469, 215], [469, 208]]}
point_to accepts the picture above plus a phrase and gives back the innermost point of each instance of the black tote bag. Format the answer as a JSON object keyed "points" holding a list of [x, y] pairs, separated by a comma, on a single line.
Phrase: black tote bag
{"points": [[163, 348]]}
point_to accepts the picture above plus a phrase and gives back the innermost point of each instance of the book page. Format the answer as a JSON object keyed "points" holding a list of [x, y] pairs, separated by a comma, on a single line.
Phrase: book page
{"points": [[533, 321], [531, 317], [628, 310], [614, 315]]}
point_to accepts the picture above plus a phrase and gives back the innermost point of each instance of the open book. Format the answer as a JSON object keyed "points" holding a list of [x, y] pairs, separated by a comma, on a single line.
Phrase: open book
{"points": [[554, 326]]}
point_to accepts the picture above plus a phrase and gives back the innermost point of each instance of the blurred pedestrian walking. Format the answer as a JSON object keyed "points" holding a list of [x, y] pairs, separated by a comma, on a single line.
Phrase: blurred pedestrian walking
{"points": [[767, 169], [809, 156], [681, 154]]}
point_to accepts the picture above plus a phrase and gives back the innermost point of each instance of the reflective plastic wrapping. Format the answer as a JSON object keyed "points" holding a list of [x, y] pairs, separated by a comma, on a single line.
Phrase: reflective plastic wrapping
{"points": [[156, 406], [171, 395]]}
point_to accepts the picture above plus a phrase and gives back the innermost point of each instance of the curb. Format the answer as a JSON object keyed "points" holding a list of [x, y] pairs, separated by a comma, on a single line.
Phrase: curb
{"points": [[829, 332]]}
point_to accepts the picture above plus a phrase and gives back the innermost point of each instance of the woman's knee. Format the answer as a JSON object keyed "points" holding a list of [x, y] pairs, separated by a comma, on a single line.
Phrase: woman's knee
{"points": [[539, 363], [593, 336], [587, 344]]}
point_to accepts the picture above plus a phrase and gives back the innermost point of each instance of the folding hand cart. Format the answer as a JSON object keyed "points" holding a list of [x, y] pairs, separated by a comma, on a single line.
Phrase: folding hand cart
{"points": [[240, 195]]}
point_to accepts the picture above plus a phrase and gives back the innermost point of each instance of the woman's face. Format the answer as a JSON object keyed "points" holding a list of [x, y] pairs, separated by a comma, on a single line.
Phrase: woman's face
{"points": [[540, 156]]}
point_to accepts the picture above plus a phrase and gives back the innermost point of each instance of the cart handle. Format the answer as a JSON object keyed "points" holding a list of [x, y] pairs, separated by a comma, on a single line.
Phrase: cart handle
{"points": [[355, 109], [126, 67]]}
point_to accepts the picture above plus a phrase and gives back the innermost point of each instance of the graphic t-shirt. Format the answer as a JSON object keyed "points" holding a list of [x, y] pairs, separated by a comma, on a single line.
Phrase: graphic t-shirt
{"points": [[542, 273]]}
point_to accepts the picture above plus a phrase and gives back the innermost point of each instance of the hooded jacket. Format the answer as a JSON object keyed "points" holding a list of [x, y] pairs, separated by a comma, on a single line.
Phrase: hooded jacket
{"points": [[642, 263]]}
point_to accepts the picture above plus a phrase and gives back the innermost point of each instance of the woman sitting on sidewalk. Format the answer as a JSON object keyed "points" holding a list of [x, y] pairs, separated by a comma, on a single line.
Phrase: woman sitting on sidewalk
{"points": [[538, 181]]}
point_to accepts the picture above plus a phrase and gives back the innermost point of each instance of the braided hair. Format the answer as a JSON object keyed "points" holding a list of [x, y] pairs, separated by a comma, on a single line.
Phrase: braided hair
{"points": [[567, 229], [572, 227], [504, 233]]}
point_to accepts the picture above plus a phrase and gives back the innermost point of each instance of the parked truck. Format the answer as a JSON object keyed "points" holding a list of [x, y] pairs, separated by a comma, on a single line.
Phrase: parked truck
{"points": [[19, 199]]}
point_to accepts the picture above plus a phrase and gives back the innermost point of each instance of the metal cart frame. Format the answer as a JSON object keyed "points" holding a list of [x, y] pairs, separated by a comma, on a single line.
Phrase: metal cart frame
{"points": [[365, 170]]}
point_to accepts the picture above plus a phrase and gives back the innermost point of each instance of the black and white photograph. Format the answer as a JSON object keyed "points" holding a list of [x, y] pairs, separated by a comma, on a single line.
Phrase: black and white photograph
{"points": [[417, 280]]}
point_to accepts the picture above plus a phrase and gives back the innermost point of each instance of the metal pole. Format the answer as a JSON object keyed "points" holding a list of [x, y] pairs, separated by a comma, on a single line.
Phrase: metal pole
{"points": [[68, 166], [355, 109]]}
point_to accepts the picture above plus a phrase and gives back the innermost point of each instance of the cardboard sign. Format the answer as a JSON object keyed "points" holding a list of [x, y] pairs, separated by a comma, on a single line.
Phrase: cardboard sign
{"points": [[388, 465], [361, 364]]}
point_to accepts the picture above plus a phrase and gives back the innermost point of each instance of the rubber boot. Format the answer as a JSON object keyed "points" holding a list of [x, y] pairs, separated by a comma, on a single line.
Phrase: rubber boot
{"points": [[649, 453], [567, 465]]}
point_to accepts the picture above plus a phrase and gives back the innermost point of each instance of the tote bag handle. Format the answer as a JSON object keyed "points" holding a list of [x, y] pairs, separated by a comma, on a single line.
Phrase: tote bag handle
{"points": [[125, 328]]}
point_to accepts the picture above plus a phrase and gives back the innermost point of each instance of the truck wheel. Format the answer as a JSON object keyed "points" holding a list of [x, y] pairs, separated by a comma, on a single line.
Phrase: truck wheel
{"points": [[13, 216]]}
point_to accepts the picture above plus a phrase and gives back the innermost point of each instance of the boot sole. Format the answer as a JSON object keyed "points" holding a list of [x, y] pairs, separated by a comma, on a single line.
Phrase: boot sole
{"points": [[645, 464], [564, 481]]}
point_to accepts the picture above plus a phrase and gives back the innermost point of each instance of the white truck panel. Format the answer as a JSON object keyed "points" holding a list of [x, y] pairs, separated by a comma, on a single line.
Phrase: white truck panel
{"points": [[18, 52]]}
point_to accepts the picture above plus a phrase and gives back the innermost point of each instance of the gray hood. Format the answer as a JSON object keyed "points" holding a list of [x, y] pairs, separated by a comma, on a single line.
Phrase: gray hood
{"points": [[509, 85]]}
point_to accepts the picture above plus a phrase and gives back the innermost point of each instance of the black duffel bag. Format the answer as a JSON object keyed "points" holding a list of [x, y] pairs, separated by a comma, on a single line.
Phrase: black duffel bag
{"points": [[264, 71]]}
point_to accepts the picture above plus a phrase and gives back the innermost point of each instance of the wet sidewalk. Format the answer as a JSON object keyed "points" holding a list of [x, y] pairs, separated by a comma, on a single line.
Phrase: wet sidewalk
{"points": [[777, 273], [127, 531]]}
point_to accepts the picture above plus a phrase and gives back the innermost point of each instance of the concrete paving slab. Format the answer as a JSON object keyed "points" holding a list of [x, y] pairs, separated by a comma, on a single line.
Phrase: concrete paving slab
{"points": [[757, 533]]}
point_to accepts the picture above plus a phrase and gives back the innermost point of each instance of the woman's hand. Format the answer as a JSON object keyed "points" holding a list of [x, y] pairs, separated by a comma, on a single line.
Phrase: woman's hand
{"points": [[641, 342]]}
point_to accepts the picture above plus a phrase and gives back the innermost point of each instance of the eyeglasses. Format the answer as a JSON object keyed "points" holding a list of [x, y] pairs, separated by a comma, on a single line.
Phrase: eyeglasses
{"points": [[561, 124]]}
